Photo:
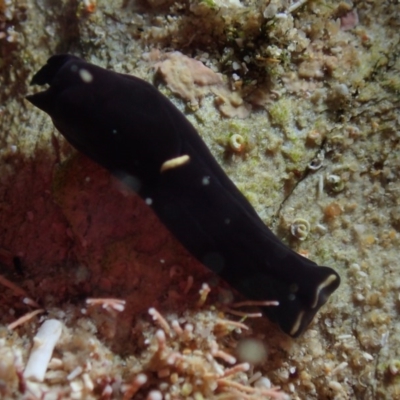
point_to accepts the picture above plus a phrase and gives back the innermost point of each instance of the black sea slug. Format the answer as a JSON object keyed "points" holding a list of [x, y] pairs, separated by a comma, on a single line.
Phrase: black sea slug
{"points": [[127, 126]]}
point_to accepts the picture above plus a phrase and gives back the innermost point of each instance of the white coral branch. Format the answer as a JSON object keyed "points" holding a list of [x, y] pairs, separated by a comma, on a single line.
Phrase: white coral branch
{"points": [[43, 346]]}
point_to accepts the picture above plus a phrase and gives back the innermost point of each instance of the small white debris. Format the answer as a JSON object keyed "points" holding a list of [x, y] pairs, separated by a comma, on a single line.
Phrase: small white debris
{"points": [[263, 383], [43, 346], [345, 336], [149, 201], [339, 368], [359, 297], [270, 11], [235, 66], [367, 356], [74, 373], [384, 339], [189, 328], [55, 363], [107, 392], [76, 386], [235, 77], [28, 301], [154, 395], [335, 386], [296, 5]]}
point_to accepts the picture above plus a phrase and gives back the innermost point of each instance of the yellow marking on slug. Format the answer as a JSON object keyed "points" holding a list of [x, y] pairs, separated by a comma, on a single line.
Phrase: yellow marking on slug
{"points": [[175, 162], [323, 285], [297, 324]]}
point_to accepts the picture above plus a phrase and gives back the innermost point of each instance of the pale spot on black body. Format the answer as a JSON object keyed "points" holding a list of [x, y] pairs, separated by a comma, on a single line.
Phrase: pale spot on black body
{"points": [[85, 75], [206, 180]]}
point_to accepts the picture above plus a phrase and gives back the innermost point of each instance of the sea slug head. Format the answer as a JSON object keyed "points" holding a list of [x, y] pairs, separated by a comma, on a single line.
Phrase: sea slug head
{"points": [[79, 102], [120, 121], [50, 74], [49, 71]]}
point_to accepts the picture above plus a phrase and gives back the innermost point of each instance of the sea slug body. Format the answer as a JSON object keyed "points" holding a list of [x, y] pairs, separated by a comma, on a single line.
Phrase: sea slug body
{"points": [[125, 125]]}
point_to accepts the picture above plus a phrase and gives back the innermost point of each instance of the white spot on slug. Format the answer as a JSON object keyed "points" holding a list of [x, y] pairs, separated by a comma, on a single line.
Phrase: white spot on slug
{"points": [[85, 75], [206, 180]]}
